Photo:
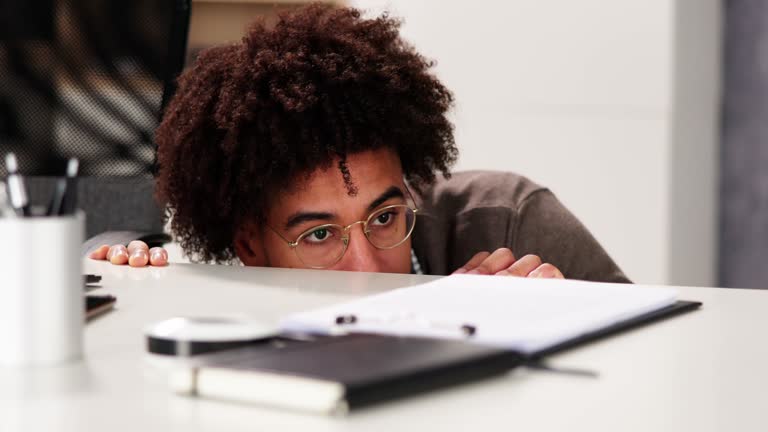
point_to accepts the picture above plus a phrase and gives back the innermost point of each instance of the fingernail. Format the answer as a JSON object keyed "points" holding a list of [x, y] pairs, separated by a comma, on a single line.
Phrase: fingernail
{"points": [[474, 272], [158, 255], [535, 274], [460, 271], [118, 255], [114, 250], [138, 258]]}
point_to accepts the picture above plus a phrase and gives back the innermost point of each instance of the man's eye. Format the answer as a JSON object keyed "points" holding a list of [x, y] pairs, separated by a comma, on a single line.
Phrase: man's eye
{"points": [[384, 218], [318, 235]]}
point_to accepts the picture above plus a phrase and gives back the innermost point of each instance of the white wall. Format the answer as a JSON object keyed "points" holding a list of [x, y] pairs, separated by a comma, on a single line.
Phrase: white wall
{"points": [[593, 99]]}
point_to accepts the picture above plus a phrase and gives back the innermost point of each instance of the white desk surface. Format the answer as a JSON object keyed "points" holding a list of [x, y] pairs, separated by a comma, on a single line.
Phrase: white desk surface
{"points": [[702, 371]]}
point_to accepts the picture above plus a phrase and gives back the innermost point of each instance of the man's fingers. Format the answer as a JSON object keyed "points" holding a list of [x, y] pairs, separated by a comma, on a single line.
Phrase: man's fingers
{"points": [[522, 267], [472, 263], [548, 271], [117, 254], [100, 253], [158, 257], [498, 260], [137, 254]]}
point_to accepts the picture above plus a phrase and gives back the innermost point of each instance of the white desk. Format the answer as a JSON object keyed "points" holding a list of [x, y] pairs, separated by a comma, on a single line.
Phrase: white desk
{"points": [[703, 371]]}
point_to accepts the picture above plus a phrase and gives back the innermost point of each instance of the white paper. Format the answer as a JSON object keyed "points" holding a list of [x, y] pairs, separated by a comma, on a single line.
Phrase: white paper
{"points": [[515, 313]]}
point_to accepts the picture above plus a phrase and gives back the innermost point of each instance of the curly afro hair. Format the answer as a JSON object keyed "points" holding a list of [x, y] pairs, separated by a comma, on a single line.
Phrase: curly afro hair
{"points": [[321, 83]]}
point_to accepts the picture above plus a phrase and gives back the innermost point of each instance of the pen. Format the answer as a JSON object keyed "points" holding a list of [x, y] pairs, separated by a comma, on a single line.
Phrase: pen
{"points": [[17, 191], [69, 199], [5, 209], [467, 330], [54, 207]]}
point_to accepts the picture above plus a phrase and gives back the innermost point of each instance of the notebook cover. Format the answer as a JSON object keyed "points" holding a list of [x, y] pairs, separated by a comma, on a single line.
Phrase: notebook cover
{"points": [[373, 368]]}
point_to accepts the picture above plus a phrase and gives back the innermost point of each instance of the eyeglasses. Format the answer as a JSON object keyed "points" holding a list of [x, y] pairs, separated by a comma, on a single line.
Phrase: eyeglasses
{"points": [[324, 245]]}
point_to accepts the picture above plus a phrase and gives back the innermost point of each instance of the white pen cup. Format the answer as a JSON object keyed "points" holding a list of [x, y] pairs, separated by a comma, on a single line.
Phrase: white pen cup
{"points": [[41, 297]]}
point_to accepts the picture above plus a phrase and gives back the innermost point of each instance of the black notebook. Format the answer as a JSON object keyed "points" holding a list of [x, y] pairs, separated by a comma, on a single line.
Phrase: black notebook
{"points": [[443, 332], [331, 375]]}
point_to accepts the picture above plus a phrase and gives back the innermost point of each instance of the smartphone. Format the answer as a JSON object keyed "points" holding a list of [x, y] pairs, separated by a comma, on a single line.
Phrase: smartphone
{"points": [[96, 305]]}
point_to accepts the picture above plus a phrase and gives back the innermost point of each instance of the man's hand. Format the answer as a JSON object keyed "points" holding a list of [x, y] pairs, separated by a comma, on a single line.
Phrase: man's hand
{"points": [[137, 254], [503, 263]]}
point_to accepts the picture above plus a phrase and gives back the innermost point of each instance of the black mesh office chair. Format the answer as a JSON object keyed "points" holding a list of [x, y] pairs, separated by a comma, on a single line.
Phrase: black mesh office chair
{"points": [[89, 79]]}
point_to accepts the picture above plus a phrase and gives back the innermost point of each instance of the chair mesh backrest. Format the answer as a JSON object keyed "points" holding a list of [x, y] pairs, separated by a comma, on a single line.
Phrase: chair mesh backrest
{"points": [[87, 79]]}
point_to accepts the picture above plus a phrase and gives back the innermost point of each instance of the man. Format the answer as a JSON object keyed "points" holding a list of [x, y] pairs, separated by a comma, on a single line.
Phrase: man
{"points": [[316, 143]]}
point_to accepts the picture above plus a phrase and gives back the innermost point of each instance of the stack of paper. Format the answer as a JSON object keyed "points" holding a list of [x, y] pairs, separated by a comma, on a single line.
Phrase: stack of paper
{"points": [[527, 315]]}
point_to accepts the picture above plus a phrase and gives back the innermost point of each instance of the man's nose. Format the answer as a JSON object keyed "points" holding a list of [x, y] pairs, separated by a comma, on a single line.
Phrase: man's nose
{"points": [[361, 255]]}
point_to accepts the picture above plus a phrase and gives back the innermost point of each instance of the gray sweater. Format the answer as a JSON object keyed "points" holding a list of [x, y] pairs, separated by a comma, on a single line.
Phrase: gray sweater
{"points": [[482, 211]]}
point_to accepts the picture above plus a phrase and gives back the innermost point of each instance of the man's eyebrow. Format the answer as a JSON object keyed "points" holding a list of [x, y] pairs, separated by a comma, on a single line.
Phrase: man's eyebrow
{"points": [[392, 192], [301, 217]]}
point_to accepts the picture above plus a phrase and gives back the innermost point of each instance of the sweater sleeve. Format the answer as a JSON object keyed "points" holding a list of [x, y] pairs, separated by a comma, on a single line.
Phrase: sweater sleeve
{"points": [[544, 227]]}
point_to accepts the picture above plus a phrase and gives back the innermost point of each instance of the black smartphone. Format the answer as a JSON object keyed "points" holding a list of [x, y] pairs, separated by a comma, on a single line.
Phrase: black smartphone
{"points": [[96, 305]]}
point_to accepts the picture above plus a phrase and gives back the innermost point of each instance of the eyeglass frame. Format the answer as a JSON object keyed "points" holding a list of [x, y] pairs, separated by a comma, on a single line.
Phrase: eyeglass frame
{"points": [[347, 229]]}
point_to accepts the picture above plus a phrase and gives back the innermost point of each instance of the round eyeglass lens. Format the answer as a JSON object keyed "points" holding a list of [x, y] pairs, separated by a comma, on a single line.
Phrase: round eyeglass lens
{"points": [[390, 226], [321, 247]]}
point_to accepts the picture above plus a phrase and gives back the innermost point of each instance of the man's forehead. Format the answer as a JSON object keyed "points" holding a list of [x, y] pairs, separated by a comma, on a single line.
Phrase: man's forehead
{"points": [[368, 171]]}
